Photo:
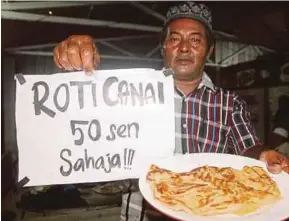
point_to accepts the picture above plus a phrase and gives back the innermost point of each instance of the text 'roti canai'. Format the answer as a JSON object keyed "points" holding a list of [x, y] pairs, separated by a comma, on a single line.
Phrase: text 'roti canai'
{"points": [[208, 190]]}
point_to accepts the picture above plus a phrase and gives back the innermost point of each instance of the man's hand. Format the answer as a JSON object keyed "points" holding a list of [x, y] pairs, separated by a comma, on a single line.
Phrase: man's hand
{"points": [[276, 162], [78, 52]]}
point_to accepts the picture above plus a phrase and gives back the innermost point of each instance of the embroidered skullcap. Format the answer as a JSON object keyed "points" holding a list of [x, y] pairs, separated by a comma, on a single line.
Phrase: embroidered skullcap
{"points": [[193, 10]]}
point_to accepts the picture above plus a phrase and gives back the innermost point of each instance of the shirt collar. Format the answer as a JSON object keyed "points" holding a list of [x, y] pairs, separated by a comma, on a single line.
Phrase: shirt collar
{"points": [[205, 82]]}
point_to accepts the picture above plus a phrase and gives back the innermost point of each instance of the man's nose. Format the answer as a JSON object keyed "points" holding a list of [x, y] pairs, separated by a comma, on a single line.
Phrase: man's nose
{"points": [[184, 46]]}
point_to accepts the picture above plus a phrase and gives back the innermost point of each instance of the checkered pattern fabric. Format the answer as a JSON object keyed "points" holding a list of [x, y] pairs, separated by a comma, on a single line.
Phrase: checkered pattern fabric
{"points": [[210, 119]]}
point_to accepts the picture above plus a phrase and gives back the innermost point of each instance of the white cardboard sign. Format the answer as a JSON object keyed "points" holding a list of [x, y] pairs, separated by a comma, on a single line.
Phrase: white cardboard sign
{"points": [[73, 128]]}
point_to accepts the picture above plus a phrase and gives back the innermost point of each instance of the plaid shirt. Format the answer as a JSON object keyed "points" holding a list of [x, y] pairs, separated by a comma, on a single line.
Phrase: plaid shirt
{"points": [[210, 119]]}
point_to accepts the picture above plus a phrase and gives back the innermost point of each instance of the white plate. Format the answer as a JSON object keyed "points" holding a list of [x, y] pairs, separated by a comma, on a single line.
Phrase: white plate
{"points": [[181, 163]]}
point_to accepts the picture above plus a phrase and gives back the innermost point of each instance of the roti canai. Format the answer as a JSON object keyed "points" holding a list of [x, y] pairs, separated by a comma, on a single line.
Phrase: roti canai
{"points": [[208, 190]]}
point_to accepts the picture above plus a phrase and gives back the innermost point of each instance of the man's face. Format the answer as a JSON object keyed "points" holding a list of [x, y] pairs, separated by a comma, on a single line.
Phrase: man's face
{"points": [[186, 49]]}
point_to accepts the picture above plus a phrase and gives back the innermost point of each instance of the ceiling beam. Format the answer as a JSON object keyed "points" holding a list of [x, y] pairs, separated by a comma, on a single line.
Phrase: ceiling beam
{"points": [[90, 22], [109, 39], [129, 37], [76, 21], [39, 5], [115, 57], [257, 49], [148, 10], [229, 37], [110, 45], [153, 51], [32, 47], [48, 5], [209, 60], [236, 53], [82, 21]]}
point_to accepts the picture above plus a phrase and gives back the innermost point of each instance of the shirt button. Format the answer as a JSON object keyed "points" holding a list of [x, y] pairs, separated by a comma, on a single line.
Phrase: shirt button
{"points": [[237, 108]]}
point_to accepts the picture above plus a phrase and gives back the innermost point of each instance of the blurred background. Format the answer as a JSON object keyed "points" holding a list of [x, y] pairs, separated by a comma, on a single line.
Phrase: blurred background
{"points": [[251, 56]]}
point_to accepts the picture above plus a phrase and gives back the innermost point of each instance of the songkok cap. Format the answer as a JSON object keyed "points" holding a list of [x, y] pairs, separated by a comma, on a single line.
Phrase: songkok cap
{"points": [[192, 10]]}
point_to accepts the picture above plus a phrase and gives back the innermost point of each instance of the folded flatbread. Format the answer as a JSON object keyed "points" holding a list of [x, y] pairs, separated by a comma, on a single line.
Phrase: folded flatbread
{"points": [[209, 191]]}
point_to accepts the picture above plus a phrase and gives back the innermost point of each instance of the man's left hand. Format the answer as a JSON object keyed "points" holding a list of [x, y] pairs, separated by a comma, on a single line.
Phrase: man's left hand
{"points": [[276, 162]]}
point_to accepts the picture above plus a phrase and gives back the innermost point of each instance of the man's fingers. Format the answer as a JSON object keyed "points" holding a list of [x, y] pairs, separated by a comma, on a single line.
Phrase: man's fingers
{"points": [[86, 53], [276, 162], [263, 157], [271, 158], [78, 52], [285, 165], [73, 56], [286, 169], [63, 59], [274, 168], [96, 57]]}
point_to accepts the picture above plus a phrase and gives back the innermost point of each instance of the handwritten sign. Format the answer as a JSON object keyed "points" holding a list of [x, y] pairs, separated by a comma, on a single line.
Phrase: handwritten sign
{"points": [[73, 128]]}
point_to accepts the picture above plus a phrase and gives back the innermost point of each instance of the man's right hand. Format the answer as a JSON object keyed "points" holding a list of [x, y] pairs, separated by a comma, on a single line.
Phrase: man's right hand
{"points": [[78, 52]]}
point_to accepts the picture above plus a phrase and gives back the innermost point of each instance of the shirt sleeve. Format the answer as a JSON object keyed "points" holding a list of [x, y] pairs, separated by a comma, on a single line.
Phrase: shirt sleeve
{"points": [[242, 130]]}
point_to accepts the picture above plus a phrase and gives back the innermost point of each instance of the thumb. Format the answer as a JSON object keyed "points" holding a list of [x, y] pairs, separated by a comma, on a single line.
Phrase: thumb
{"points": [[273, 164], [285, 166], [274, 168]]}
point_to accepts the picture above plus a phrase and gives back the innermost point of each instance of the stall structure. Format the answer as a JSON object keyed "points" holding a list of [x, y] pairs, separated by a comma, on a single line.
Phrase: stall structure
{"points": [[250, 56]]}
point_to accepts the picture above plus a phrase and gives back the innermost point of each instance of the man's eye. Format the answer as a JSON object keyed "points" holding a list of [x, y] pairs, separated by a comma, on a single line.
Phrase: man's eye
{"points": [[174, 39], [196, 40]]}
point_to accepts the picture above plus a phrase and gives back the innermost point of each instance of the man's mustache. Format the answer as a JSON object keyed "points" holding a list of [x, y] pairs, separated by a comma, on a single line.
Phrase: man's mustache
{"points": [[185, 58]]}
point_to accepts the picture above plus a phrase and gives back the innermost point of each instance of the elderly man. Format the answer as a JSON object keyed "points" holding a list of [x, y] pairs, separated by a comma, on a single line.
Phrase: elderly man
{"points": [[208, 118]]}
